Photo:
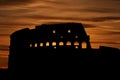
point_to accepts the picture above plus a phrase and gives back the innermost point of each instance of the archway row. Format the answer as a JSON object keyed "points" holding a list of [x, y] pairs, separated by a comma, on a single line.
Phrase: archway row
{"points": [[76, 44]]}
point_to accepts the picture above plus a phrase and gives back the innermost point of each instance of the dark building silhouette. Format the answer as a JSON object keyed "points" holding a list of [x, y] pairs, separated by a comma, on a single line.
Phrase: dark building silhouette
{"points": [[50, 44], [46, 40], [66, 32]]}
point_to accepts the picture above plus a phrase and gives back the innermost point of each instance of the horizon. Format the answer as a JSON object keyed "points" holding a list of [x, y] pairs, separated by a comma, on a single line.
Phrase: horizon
{"points": [[101, 19]]}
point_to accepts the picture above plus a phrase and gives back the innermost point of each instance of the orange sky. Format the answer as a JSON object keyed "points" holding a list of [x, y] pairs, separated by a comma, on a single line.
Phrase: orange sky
{"points": [[101, 19]]}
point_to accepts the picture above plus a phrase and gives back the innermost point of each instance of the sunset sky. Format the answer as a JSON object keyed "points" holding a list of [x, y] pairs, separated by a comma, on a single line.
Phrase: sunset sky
{"points": [[101, 19]]}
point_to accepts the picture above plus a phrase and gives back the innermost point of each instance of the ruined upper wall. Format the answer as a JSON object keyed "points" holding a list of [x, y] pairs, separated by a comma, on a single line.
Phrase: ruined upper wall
{"points": [[49, 33]]}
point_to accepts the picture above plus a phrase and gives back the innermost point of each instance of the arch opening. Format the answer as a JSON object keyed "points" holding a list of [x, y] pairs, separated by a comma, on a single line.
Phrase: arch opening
{"points": [[47, 44], [31, 45], [84, 45], [68, 43], [35, 44], [76, 44], [41, 44], [54, 43], [61, 44]]}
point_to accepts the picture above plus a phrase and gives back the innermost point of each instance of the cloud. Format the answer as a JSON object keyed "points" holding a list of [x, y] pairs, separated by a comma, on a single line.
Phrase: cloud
{"points": [[112, 33], [102, 10], [89, 25], [94, 19], [97, 10], [4, 35], [14, 2], [84, 24], [33, 19], [3, 62], [19, 3], [11, 24], [105, 42], [4, 47], [102, 19]]}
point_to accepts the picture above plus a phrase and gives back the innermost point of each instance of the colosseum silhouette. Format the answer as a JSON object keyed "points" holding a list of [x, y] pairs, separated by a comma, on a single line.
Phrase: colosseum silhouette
{"points": [[48, 40], [51, 44], [53, 35]]}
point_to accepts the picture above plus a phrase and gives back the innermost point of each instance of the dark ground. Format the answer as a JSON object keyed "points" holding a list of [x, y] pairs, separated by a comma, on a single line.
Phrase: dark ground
{"points": [[65, 61]]}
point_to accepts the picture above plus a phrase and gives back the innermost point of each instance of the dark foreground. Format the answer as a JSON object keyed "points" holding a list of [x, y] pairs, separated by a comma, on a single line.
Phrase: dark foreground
{"points": [[3, 74], [52, 64]]}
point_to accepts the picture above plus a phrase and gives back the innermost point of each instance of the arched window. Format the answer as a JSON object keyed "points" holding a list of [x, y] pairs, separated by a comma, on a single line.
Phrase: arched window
{"points": [[76, 43], [53, 43], [47, 44], [68, 43], [84, 45], [35, 44], [41, 44], [61, 44]]}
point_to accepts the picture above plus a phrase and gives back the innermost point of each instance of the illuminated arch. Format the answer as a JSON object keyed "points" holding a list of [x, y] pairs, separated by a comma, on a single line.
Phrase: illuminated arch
{"points": [[76, 43], [61, 43], [31, 45], [68, 43], [54, 43], [47, 44], [35, 44], [41, 44], [84, 45]]}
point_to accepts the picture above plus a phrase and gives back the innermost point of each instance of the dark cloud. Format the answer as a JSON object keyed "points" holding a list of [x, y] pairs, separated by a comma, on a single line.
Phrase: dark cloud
{"points": [[101, 10], [4, 47], [112, 33], [14, 2], [84, 24], [4, 13], [4, 35], [48, 17], [115, 33], [94, 19], [4, 62], [105, 42], [7, 3], [89, 25], [32, 19], [97, 9], [11, 24], [42, 17], [102, 19]]}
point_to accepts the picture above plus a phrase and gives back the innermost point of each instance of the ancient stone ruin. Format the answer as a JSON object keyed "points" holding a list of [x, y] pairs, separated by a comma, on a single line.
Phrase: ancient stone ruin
{"points": [[51, 44]]}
